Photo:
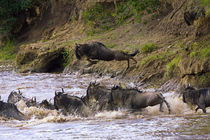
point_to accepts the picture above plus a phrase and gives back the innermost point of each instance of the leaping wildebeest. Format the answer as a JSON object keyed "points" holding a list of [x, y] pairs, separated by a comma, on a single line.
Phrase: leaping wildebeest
{"points": [[98, 51]]}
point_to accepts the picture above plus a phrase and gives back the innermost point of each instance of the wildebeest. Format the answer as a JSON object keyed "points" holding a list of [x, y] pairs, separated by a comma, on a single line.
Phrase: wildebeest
{"points": [[9, 111], [46, 104], [15, 97], [135, 99], [98, 98], [98, 51], [71, 104], [199, 97]]}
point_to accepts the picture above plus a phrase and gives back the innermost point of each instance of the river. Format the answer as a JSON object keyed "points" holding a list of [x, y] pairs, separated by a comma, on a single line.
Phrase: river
{"points": [[183, 123]]}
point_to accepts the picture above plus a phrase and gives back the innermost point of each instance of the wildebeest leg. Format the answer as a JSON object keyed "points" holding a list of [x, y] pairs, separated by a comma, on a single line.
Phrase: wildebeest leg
{"points": [[204, 110], [197, 109], [167, 104], [161, 107], [134, 60], [201, 107], [128, 65]]}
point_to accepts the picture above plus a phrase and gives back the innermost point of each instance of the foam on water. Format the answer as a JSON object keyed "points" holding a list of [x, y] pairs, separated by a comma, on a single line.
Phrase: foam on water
{"points": [[177, 106]]}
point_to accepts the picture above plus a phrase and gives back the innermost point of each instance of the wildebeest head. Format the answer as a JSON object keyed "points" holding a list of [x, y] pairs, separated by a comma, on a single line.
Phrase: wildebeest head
{"points": [[98, 97], [46, 104], [15, 97], [31, 102], [189, 94], [95, 91], [92, 87], [57, 97]]}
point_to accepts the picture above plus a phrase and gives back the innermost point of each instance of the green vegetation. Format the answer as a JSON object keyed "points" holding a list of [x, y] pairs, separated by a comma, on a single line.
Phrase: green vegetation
{"points": [[103, 17], [206, 3], [8, 51], [149, 47], [200, 51], [66, 58], [172, 65], [205, 52], [193, 54], [111, 45], [9, 11], [205, 78], [154, 57]]}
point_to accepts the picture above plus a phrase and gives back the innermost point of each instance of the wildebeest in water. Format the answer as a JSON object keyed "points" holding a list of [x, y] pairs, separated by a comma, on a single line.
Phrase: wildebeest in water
{"points": [[98, 97], [71, 104], [199, 97], [98, 51], [9, 110], [135, 99]]}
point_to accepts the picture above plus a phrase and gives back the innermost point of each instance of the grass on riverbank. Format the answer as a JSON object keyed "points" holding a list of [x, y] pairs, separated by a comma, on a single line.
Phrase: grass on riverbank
{"points": [[7, 52]]}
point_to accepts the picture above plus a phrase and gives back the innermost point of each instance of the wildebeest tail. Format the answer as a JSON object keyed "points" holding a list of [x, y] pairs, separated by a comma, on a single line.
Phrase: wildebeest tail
{"points": [[77, 53], [133, 54]]}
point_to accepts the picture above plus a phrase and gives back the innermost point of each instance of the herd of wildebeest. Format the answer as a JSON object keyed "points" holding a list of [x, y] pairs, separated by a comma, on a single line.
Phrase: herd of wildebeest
{"points": [[100, 98]]}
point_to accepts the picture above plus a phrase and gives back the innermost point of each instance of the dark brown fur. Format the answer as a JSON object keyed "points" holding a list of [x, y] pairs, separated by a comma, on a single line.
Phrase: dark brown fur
{"points": [[199, 97]]}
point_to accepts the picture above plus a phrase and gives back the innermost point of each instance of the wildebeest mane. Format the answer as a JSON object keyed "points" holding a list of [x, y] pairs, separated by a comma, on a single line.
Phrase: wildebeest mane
{"points": [[127, 89]]}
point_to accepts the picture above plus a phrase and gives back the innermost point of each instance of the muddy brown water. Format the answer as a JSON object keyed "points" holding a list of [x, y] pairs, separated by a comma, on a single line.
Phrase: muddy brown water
{"points": [[183, 123]]}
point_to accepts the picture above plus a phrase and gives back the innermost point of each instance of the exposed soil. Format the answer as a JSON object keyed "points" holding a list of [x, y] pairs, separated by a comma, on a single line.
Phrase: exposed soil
{"points": [[60, 26]]}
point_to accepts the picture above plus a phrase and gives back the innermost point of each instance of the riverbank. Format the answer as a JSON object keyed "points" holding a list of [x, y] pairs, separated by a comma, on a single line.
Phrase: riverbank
{"points": [[170, 49]]}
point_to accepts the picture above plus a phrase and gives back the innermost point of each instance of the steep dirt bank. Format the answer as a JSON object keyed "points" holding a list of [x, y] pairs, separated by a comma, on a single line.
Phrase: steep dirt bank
{"points": [[175, 57]]}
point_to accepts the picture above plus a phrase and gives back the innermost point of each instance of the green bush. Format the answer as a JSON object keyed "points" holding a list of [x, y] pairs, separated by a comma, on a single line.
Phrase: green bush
{"points": [[193, 54], [102, 17], [149, 47], [148, 59], [206, 3], [205, 52], [66, 58], [98, 17], [200, 51], [155, 57], [172, 65], [8, 51], [9, 11]]}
